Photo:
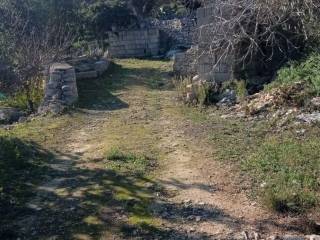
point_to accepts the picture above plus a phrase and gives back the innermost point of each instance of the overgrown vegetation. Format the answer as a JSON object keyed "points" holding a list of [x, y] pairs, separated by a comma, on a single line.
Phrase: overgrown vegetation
{"points": [[207, 93], [21, 99], [266, 34], [306, 71], [283, 167], [192, 93]]}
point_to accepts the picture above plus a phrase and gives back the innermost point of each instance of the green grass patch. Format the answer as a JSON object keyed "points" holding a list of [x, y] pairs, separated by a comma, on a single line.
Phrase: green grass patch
{"points": [[134, 163], [289, 172], [283, 167]]}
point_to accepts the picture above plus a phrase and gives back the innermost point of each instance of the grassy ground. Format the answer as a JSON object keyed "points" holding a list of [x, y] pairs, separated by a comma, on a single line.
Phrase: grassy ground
{"points": [[283, 167], [110, 151], [89, 173]]}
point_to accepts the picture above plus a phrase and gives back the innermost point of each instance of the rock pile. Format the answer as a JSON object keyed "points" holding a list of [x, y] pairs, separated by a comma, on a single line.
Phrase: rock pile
{"points": [[292, 96]]}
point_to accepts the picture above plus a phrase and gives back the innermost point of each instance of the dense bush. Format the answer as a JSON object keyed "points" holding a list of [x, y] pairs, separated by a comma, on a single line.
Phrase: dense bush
{"points": [[307, 71], [21, 99]]}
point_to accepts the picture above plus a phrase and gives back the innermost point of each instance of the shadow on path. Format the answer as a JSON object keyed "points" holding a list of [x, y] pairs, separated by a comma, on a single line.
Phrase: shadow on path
{"points": [[97, 94], [77, 202]]}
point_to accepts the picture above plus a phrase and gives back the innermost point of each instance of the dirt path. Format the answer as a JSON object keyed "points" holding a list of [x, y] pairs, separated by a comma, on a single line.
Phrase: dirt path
{"points": [[84, 199]]}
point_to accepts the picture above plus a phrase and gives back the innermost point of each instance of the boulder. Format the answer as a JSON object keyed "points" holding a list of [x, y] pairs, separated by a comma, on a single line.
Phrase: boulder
{"points": [[10, 115]]}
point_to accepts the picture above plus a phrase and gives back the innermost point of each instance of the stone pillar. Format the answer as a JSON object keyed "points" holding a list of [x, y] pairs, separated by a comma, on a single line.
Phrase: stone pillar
{"points": [[61, 88]]}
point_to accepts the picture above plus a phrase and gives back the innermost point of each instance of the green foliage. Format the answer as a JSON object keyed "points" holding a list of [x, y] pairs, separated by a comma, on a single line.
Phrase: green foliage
{"points": [[307, 71], [22, 98], [128, 162], [101, 16], [289, 172]]}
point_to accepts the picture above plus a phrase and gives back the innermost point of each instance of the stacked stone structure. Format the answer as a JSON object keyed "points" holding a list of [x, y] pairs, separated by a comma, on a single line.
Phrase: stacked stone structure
{"points": [[61, 85], [207, 64], [135, 43], [185, 63], [61, 88], [212, 65], [179, 31]]}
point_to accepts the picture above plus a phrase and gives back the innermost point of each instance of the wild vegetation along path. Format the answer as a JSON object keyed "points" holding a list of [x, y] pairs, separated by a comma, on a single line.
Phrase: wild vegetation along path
{"points": [[131, 116]]}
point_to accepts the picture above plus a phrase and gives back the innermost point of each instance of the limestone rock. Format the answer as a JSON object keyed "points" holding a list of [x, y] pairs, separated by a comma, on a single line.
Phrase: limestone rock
{"points": [[313, 237], [309, 118], [196, 78], [315, 103], [292, 237], [228, 98]]}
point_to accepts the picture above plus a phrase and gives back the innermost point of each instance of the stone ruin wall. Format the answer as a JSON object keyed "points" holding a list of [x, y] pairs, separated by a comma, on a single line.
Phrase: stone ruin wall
{"points": [[136, 43], [203, 62], [158, 37], [61, 82], [185, 63], [61, 88], [210, 65], [179, 31]]}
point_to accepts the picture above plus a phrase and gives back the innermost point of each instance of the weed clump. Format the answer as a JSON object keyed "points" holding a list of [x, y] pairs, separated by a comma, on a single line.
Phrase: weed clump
{"points": [[306, 71], [202, 92]]}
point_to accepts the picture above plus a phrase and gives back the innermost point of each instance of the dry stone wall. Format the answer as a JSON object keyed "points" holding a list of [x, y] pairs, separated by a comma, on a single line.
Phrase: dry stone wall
{"points": [[138, 43], [61, 85], [61, 88], [185, 63], [209, 65], [179, 31]]}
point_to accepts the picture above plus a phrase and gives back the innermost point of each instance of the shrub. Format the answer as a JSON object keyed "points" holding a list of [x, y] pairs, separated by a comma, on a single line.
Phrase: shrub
{"points": [[307, 71], [21, 99], [200, 92], [289, 173]]}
